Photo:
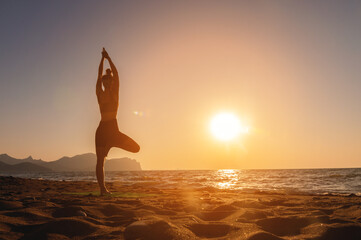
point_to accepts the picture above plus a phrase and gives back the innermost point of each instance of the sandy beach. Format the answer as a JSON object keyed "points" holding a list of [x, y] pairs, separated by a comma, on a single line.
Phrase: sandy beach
{"points": [[41, 209]]}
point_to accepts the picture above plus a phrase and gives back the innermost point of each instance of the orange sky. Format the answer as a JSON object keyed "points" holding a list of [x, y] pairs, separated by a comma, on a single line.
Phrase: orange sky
{"points": [[288, 69]]}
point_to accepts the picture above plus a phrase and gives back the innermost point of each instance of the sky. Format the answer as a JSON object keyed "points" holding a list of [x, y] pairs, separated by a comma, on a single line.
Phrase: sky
{"points": [[290, 70]]}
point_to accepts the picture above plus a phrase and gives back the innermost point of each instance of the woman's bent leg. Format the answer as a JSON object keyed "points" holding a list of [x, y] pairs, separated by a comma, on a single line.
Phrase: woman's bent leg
{"points": [[101, 154], [126, 143]]}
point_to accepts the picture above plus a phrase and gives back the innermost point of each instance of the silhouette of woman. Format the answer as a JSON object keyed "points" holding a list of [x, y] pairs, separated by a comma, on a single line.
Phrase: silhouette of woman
{"points": [[107, 134]]}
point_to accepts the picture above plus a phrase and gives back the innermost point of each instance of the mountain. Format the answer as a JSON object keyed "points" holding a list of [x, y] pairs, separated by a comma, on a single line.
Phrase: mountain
{"points": [[82, 162], [87, 162], [11, 161], [22, 167]]}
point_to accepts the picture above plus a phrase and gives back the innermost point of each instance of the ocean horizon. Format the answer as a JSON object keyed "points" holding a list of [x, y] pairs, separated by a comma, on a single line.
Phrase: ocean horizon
{"points": [[325, 181]]}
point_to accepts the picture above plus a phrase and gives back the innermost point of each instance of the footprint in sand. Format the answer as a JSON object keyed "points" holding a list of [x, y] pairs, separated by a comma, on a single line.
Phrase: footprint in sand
{"points": [[283, 226], [117, 221], [8, 205], [4, 227], [69, 212], [253, 214], [249, 203], [263, 236], [344, 231], [211, 230], [218, 213], [66, 227], [153, 229], [110, 210], [28, 215], [158, 210]]}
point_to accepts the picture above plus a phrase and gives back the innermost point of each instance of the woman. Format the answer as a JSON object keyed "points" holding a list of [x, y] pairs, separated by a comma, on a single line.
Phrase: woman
{"points": [[107, 134]]}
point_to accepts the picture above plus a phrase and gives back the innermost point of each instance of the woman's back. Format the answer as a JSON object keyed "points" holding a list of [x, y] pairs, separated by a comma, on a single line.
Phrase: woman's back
{"points": [[108, 104]]}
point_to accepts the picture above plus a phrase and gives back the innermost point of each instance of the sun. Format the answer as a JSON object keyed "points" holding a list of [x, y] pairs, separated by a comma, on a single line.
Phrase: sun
{"points": [[227, 126]]}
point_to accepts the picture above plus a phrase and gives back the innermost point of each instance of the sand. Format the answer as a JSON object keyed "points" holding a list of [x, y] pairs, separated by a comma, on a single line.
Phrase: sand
{"points": [[40, 209]]}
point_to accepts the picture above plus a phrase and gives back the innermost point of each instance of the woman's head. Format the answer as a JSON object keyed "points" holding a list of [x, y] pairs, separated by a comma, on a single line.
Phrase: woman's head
{"points": [[107, 79]]}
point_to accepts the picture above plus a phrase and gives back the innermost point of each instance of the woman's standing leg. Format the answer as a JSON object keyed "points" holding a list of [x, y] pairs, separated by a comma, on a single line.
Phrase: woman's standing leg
{"points": [[102, 152]]}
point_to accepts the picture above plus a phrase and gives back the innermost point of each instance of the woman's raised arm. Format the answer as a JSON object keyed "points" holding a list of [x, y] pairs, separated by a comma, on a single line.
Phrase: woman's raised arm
{"points": [[100, 74]]}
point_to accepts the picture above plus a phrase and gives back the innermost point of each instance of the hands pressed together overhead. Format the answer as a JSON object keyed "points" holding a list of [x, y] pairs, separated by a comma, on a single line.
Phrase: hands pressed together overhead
{"points": [[105, 54]]}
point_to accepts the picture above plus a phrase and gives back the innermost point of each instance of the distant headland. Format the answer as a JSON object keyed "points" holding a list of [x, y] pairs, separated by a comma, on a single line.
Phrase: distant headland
{"points": [[82, 162]]}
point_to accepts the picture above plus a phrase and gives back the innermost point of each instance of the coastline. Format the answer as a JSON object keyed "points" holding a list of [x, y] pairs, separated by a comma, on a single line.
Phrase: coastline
{"points": [[44, 209], [340, 182]]}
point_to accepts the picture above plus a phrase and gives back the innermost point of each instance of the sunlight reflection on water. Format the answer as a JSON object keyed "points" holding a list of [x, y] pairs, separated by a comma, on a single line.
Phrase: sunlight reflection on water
{"points": [[227, 178]]}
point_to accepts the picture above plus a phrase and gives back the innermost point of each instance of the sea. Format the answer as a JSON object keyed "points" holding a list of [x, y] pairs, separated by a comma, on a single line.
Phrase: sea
{"points": [[343, 181]]}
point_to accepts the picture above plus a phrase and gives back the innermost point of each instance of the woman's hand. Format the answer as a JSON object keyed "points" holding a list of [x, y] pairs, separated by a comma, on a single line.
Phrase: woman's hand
{"points": [[105, 54]]}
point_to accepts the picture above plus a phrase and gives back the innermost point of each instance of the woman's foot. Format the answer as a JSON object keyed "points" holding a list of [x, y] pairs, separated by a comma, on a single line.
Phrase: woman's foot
{"points": [[105, 192]]}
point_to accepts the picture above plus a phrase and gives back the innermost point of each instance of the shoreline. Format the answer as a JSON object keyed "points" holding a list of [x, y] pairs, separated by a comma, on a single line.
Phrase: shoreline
{"points": [[253, 186], [44, 209]]}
